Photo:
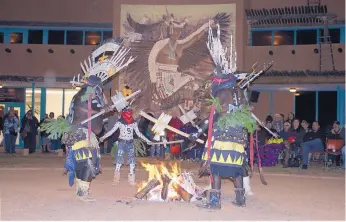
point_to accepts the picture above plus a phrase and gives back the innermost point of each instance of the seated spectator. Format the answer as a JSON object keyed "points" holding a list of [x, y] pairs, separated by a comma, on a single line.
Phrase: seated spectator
{"points": [[269, 122], [312, 141], [290, 118], [299, 133], [334, 133], [342, 135], [287, 135], [305, 125]]}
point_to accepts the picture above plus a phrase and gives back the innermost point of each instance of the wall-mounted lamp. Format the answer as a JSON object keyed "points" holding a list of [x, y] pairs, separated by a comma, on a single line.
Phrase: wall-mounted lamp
{"points": [[297, 94], [72, 51], [50, 51], [77, 87], [292, 90], [29, 50], [0, 86], [8, 50]]}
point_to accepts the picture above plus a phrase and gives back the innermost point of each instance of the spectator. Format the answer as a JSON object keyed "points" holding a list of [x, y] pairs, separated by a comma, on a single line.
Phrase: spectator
{"points": [[305, 126], [334, 133], [278, 123], [286, 135], [290, 118], [29, 131], [46, 143], [11, 126], [342, 135], [299, 133], [312, 141], [112, 120], [269, 122], [3, 122]]}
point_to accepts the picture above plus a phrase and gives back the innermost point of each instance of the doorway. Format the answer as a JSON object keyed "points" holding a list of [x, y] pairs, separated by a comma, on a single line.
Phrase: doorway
{"points": [[19, 109]]}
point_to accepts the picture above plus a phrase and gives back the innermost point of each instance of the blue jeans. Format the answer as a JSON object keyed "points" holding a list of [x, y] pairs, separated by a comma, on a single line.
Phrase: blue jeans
{"points": [[343, 156], [310, 146], [155, 150], [125, 146], [10, 145]]}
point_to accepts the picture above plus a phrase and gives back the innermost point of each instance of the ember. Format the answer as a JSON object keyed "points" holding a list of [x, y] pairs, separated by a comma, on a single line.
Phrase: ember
{"points": [[168, 185]]}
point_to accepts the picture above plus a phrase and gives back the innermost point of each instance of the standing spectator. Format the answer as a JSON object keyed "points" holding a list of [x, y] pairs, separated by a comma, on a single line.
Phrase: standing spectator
{"points": [[112, 120], [312, 141], [28, 131], [290, 118], [278, 123], [11, 126], [46, 143], [54, 144]]}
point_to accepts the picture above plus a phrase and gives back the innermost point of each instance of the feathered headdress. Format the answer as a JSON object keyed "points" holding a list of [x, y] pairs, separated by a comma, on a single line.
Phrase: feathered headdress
{"points": [[105, 61]]}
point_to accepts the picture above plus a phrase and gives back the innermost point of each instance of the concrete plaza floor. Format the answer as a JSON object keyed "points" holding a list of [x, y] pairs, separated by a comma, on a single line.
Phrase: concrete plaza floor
{"points": [[33, 188]]}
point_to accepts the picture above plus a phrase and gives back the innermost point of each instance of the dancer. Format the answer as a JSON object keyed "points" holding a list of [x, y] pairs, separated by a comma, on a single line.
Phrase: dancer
{"points": [[228, 126], [125, 144], [80, 136]]}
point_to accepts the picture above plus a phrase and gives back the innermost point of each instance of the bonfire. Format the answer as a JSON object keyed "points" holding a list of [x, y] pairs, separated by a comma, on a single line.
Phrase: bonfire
{"points": [[168, 185]]}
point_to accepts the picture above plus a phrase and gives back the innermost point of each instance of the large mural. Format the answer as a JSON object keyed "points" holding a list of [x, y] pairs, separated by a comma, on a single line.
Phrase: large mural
{"points": [[173, 65]]}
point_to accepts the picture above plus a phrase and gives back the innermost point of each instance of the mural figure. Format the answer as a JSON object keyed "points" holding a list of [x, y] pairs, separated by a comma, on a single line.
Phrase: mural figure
{"points": [[171, 54]]}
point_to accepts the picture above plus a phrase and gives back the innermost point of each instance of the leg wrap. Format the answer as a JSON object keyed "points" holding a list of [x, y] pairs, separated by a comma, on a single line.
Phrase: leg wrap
{"points": [[132, 169], [117, 167], [83, 188], [240, 197], [213, 200], [246, 184]]}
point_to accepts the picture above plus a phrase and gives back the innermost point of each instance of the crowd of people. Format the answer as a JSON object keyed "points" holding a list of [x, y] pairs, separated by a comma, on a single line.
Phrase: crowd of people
{"points": [[298, 139], [301, 141], [28, 129]]}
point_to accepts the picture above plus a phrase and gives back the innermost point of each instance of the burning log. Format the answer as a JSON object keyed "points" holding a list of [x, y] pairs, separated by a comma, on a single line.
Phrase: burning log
{"points": [[165, 183], [186, 196], [145, 190]]}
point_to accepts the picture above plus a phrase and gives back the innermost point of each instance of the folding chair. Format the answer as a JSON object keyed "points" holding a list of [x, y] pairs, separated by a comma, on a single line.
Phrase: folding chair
{"points": [[333, 147]]}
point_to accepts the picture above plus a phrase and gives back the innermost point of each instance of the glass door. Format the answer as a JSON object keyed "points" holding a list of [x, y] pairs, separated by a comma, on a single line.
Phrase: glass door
{"points": [[19, 110]]}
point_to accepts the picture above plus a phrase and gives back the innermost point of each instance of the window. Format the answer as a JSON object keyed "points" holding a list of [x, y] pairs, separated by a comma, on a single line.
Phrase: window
{"points": [[107, 35], [306, 37], [283, 37], [69, 94], [92, 38], [35, 36], [262, 38], [74, 37], [28, 101], [54, 101], [56, 37], [1, 37], [333, 33], [16, 38]]}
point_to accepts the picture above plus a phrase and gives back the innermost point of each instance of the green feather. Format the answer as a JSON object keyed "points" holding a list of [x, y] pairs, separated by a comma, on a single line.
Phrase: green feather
{"points": [[56, 127], [240, 117], [139, 146], [87, 93], [216, 101]]}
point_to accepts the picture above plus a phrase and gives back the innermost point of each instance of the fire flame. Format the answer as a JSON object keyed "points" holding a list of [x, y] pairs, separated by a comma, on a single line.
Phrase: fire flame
{"points": [[156, 171]]}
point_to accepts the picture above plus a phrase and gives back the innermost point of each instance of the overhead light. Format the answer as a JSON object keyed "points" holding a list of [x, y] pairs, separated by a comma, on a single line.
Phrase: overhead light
{"points": [[0, 86], [77, 88], [297, 94], [292, 90]]}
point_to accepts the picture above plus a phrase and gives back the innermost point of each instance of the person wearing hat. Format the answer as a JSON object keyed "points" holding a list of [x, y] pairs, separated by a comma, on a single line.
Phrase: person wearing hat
{"points": [[231, 122], [127, 127]]}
